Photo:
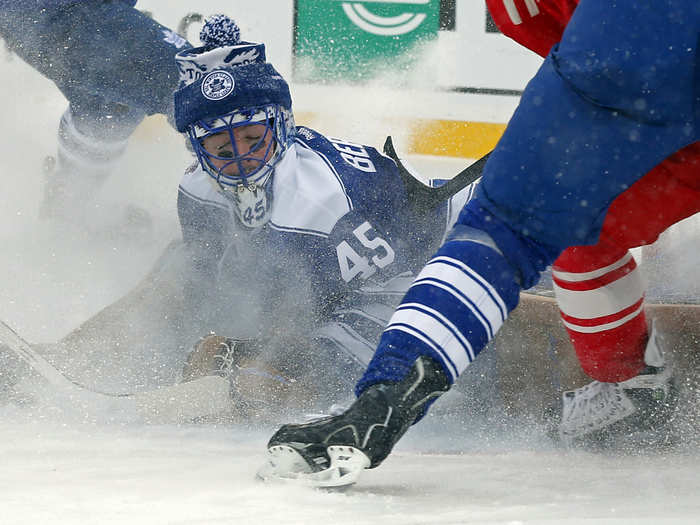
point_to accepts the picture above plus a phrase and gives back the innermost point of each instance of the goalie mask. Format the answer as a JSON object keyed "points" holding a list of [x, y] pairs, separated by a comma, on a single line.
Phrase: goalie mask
{"points": [[237, 113], [239, 150]]}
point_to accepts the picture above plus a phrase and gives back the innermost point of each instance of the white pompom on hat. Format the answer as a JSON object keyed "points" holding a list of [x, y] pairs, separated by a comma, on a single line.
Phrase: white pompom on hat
{"points": [[222, 48]]}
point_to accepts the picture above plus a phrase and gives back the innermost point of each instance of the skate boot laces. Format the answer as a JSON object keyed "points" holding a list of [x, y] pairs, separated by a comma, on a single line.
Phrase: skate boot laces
{"points": [[593, 407]]}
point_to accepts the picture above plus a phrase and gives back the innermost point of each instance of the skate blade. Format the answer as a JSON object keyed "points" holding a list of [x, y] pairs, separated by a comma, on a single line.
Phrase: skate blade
{"points": [[286, 465]]}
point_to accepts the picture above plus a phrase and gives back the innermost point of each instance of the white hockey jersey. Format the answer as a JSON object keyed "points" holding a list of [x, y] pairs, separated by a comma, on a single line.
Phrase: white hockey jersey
{"points": [[329, 267]]}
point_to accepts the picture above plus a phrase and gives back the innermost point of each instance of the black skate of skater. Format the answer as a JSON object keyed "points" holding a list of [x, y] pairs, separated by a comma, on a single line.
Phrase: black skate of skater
{"points": [[333, 451]]}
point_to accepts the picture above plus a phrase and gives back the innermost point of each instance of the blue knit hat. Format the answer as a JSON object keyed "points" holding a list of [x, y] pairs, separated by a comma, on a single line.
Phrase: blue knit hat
{"points": [[225, 74]]}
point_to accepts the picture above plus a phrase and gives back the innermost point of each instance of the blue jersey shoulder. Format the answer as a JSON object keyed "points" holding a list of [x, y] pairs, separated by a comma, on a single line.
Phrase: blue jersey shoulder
{"points": [[371, 179]]}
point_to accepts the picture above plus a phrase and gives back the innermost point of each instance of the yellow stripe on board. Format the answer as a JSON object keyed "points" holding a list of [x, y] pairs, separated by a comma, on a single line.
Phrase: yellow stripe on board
{"points": [[453, 138], [447, 138]]}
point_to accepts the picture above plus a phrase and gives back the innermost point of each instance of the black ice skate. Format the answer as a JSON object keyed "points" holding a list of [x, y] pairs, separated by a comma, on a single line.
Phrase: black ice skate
{"points": [[333, 451], [634, 413]]}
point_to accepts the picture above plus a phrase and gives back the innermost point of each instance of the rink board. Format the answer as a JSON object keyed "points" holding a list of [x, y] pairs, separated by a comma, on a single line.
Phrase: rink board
{"points": [[535, 360]]}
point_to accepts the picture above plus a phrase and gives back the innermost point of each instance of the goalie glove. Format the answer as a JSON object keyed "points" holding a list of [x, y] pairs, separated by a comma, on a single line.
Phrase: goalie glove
{"points": [[257, 390], [214, 355], [332, 451]]}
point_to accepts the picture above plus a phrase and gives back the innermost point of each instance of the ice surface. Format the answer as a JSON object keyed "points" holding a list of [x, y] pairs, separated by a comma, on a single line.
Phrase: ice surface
{"points": [[56, 468], [60, 473]]}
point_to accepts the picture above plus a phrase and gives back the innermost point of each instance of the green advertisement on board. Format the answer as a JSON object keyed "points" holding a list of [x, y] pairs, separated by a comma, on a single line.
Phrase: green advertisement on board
{"points": [[346, 41]]}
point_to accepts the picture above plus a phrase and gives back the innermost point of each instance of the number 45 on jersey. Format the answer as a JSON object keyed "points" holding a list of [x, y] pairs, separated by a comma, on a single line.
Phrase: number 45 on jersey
{"points": [[367, 253]]}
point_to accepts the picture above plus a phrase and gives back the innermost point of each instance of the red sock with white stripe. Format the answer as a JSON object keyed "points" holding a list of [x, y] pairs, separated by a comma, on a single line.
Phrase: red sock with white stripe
{"points": [[601, 301]]}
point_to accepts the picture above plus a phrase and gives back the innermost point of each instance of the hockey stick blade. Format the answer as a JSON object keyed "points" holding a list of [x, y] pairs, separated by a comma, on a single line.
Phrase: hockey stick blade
{"points": [[285, 464], [423, 198], [206, 396]]}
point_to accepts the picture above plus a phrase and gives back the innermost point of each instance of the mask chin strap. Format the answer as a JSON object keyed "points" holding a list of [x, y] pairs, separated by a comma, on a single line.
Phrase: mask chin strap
{"points": [[252, 205], [251, 202]]}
